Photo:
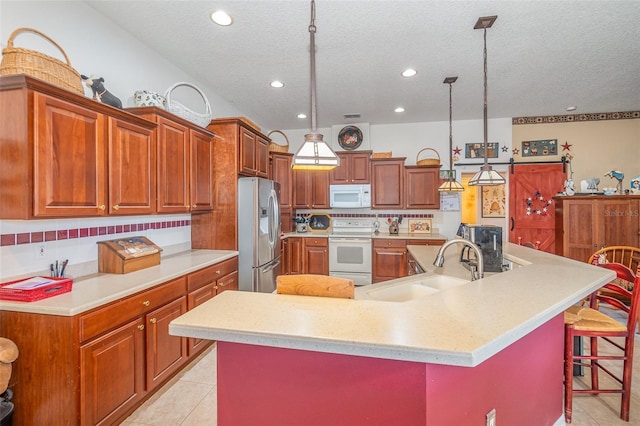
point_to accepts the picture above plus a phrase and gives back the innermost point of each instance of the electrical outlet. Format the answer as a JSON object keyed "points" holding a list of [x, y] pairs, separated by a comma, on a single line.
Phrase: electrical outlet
{"points": [[491, 417], [41, 251]]}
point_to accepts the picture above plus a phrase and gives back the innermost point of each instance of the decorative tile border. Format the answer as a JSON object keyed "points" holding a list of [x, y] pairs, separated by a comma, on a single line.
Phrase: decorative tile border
{"points": [[571, 118], [373, 215], [67, 234]]}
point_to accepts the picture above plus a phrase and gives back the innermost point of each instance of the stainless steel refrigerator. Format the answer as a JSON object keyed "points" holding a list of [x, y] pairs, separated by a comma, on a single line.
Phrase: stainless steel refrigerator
{"points": [[258, 234]]}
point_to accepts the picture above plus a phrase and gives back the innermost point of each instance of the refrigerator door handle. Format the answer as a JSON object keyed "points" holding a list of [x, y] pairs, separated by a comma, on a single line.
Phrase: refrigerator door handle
{"points": [[274, 216], [271, 265]]}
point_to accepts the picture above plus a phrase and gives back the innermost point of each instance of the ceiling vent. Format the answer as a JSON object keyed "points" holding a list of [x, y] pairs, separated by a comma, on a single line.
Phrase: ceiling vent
{"points": [[350, 116]]}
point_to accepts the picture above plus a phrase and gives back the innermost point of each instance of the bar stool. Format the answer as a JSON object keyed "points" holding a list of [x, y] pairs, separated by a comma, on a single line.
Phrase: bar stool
{"points": [[591, 323]]}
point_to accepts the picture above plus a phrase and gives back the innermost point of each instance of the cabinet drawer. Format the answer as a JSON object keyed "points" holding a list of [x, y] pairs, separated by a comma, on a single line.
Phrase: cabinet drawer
{"points": [[383, 242], [210, 274], [117, 313], [426, 242], [316, 242]]}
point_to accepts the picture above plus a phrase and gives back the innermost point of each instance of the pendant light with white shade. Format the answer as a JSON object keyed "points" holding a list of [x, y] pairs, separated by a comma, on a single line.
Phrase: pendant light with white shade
{"points": [[450, 184], [486, 176], [314, 154]]}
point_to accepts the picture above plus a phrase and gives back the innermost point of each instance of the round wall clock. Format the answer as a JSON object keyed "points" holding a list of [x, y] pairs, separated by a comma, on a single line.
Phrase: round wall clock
{"points": [[350, 137]]}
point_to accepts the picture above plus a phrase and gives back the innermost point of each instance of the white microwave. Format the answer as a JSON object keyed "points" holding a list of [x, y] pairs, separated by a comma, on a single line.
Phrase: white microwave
{"points": [[350, 196]]}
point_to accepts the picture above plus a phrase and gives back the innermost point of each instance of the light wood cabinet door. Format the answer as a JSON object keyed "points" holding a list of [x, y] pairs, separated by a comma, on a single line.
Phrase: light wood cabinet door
{"points": [[69, 170], [173, 167], [281, 173], [389, 260], [421, 187], [165, 353], [197, 298], [387, 183], [112, 373], [247, 156], [132, 169], [201, 180]]}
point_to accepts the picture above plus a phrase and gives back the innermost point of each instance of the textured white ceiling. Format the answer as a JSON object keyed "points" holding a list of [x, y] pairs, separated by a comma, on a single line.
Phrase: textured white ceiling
{"points": [[543, 56]]}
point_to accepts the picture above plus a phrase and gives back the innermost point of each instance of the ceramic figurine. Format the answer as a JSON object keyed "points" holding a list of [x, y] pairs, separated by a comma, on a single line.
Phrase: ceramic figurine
{"points": [[100, 93], [617, 175], [635, 185], [569, 187]]}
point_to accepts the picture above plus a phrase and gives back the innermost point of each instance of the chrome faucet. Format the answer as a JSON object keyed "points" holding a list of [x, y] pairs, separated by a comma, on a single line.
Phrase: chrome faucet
{"points": [[475, 274]]}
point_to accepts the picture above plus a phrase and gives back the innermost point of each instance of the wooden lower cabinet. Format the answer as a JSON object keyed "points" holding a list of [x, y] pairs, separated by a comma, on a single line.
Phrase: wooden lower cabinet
{"points": [[112, 377], [97, 367], [389, 257], [307, 255]]}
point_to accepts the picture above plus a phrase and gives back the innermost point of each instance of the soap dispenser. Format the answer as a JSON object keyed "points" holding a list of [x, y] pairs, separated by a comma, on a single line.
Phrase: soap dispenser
{"points": [[376, 226]]}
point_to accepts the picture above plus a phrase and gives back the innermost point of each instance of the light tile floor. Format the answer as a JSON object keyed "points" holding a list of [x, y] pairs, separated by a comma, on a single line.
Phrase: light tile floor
{"points": [[190, 399]]}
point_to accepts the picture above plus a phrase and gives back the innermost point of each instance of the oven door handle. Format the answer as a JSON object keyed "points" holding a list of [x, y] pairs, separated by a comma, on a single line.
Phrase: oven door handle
{"points": [[348, 240]]}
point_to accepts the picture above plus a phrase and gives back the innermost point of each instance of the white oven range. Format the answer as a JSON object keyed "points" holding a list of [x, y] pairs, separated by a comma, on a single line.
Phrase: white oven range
{"points": [[350, 249]]}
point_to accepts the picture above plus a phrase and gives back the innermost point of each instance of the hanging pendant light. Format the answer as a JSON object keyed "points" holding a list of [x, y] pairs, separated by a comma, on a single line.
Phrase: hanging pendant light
{"points": [[451, 184], [314, 154], [486, 176]]}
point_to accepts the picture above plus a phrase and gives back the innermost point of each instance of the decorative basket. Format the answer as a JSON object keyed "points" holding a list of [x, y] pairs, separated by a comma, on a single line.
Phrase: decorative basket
{"points": [[428, 161], [382, 154], [147, 98], [182, 111], [274, 147], [17, 60]]}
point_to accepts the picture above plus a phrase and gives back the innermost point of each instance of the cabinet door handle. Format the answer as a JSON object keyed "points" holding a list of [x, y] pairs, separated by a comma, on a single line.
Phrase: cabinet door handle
{"points": [[102, 207], [513, 223], [153, 320], [193, 206], [146, 303], [218, 271], [116, 207], [141, 327]]}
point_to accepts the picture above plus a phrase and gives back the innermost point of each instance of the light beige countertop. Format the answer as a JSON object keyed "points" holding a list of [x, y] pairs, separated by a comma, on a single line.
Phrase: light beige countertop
{"points": [[462, 325], [98, 289]]}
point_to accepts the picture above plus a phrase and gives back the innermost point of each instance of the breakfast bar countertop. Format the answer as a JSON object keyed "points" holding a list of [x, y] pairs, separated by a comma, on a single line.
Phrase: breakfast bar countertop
{"points": [[463, 325], [98, 289]]}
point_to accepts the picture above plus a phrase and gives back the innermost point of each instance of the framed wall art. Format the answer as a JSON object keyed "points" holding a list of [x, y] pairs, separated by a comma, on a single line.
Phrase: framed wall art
{"points": [[476, 150], [541, 148], [493, 200], [419, 226]]}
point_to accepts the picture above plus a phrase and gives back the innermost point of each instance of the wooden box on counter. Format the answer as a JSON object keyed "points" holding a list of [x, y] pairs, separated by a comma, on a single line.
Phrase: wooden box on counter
{"points": [[124, 255]]}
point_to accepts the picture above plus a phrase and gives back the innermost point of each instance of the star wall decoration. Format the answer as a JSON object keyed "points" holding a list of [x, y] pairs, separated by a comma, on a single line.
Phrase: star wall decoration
{"points": [[566, 146], [515, 151], [505, 149], [457, 150]]}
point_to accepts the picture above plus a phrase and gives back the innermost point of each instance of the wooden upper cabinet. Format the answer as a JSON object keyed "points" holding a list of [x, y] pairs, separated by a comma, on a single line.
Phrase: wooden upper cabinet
{"points": [[184, 163], [387, 183], [421, 187], [66, 155], [201, 172], [254, 153], [70, 154], [354, 168], [310, 189], [132, 169], [173, 167], [281, 173]]}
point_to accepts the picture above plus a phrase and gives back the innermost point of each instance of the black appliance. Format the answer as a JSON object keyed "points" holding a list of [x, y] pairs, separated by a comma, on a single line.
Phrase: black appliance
{"points": [[488, 238]]}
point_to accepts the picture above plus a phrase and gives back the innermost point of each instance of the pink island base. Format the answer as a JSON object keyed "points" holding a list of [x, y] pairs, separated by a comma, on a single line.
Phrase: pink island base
{"points": [[259, 385]]}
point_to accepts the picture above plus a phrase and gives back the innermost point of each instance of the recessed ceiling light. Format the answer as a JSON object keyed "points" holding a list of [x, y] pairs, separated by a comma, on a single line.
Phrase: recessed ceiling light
{"points": [[572, 108], [409, 72], [277, 84], [221, 17], [302, 115], [399, 109]]}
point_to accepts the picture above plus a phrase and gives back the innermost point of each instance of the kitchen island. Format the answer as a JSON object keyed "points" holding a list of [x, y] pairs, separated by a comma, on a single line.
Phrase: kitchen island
{"points": [[446, 358]]}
